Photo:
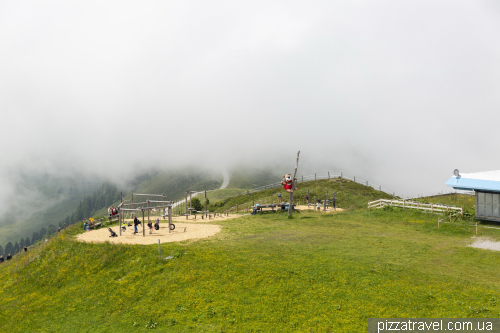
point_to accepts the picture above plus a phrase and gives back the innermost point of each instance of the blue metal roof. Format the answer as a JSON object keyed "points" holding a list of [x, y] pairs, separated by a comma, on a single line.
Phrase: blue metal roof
{"points": [[468, 184]]}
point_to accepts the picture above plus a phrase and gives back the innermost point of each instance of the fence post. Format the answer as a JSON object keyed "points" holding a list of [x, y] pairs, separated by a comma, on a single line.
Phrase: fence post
{"points": [[159, 249], [354, 178], [341, 175], [380, 188], [432, 208], [328, 174], [315, 176]]}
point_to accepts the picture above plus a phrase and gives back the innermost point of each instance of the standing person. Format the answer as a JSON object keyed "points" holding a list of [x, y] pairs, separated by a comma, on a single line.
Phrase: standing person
{"points": [[279, 197], [150, 226], [59, 230], [9, 257], [1, 259], [319, 204], [136, 223], [25, 248], [307, 199]]}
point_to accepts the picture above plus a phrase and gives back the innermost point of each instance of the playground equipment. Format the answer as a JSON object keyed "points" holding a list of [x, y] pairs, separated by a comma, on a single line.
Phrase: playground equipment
{"points": [[148, 205]]}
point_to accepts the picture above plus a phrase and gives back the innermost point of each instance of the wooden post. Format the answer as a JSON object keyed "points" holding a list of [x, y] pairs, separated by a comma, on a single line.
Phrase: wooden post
{"points": [[163, 198], [404, 204], [186, 206], [206, 209], [253, 199], [131, 197], [476, 228], [328, 174], [143, 228], [324, 203], [308, 197], [272, 197], [159, 250], [169, 217], [121, 196], [341, 175], [148, 210], [294, 185], [120, 221], [354, 178], [190, 200]]}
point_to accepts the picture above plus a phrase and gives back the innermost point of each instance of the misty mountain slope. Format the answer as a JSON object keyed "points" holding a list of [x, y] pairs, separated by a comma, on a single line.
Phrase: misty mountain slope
{"points": [[174, 184], [247, 178], [42, 199]]}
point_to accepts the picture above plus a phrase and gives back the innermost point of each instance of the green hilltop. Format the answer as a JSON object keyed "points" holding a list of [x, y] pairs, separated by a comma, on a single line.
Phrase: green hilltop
{"points": [[316, 272]]}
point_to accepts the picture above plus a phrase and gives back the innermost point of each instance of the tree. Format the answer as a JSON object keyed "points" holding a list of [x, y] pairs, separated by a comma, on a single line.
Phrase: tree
{"points": [[34, 238], [16, 248], [8, 248], [51, 229], [1, 250], [22, 243], [27, 242], [196, 204]]}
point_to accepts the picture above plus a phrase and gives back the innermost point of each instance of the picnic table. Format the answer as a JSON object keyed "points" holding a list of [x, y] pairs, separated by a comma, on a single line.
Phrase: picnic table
{"points": [[278, 206]]}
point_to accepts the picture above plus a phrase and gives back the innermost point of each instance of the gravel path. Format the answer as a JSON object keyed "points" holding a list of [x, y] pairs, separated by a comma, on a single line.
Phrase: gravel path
{"points": [[485, 243]]}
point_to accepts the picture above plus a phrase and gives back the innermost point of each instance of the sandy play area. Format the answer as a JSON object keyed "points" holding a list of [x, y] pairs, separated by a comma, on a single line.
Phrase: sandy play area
{"points": [[313, 207], [192, 231]]}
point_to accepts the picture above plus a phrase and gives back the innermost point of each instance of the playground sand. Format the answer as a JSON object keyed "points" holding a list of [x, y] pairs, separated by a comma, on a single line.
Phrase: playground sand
{"points": [[192, 231], [313, 207]]}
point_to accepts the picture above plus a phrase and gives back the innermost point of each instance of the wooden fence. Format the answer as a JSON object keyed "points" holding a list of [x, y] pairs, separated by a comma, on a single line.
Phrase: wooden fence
{"points": [[433, 208]]}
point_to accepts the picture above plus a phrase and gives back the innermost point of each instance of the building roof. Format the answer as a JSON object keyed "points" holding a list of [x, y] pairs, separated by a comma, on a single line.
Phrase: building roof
{"points": [[485, 180]]}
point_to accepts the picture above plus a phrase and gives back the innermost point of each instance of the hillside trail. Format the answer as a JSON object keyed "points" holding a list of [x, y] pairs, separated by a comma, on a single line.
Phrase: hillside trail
{"points": [[225, 183]]}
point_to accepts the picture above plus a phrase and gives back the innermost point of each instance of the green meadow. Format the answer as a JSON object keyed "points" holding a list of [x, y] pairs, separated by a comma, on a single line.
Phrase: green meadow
{"points": [[266, 273]]}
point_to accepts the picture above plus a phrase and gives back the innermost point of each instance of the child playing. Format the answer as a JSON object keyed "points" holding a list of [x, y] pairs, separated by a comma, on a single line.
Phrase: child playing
{"points": [[150, 226]]}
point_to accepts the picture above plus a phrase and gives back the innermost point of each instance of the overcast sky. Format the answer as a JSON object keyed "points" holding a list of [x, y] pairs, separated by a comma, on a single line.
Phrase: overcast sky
{"points": [[396, 92]]}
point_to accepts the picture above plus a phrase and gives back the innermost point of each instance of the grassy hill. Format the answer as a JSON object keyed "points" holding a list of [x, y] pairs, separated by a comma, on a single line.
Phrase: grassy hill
{"points": [[348, 194], [266, 273], [318, 272]]}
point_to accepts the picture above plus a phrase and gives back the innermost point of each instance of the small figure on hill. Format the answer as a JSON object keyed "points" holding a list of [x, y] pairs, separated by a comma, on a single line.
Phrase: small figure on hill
{"points": [[307, 199], [1, 259], [255, 209], [9, 257], [59, 230], [25, 248], [150, 226], [279, 197], [319, 204], [136, 223], [112, 211]]}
